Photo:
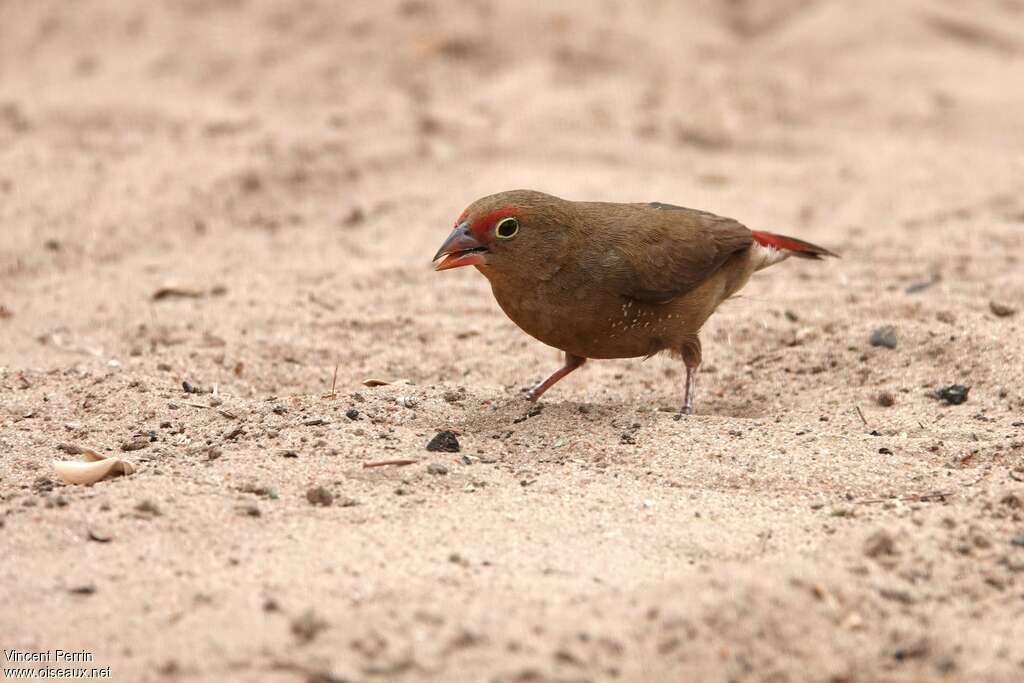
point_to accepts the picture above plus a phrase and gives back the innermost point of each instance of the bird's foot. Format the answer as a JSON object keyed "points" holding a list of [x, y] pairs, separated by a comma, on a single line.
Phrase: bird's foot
{"points": [[685, 410]]}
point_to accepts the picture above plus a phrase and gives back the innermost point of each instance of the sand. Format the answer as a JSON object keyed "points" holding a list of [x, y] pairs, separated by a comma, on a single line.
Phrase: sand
{"points": [[283, 172]]}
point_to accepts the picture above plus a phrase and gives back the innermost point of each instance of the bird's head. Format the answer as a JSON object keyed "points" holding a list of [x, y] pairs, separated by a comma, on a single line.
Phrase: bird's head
{"points": [[502, 231]]}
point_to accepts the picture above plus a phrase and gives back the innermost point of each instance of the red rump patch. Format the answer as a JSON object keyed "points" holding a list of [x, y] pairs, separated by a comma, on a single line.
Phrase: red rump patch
{"points": [[782, 242], [483, 224]]}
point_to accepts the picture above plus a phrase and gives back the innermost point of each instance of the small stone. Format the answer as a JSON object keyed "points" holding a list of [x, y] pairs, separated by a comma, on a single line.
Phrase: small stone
{"points": [[307, 626], [1001, 310], [83, 589], [42, 485], [886, 399], [315, 422], [347, 502], [289, 454], [627, 439], [188, 387], [880, 543], [884, 336], [148, 507], [319, 495], [100, 535], [444, 442], [1018, 541], [407, 401], [136, 444], [251, 510], [352, 414], [437, 468], [954, 394]]}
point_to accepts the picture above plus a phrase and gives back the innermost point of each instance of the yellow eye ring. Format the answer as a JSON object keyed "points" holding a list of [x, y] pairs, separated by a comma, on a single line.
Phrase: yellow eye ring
{"points": [[507, 228]]}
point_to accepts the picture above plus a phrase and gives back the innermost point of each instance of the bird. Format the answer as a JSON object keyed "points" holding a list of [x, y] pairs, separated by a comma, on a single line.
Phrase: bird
{"points": [[601, 280]]}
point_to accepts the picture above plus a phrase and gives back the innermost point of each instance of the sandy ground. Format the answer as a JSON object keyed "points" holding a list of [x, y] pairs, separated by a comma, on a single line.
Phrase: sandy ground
{"points": [[293, 167]]}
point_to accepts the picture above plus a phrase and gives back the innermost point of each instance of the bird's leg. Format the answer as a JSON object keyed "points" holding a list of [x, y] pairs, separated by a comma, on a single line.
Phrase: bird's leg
{"points": [[691, 353], [691, 390], [571, 363]]}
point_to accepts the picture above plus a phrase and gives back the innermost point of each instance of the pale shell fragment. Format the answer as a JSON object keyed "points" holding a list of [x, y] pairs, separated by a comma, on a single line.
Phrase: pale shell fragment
{"points": [[96, 468]]}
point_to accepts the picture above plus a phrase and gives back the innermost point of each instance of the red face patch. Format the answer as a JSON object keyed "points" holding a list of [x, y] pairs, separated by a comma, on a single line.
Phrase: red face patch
{"points": [[482, 225]]}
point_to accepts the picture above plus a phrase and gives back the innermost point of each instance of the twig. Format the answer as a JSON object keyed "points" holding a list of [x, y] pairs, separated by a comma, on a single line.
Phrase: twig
{"points": [[230, 416], [862, 416], [915, 498], [384, 463]]}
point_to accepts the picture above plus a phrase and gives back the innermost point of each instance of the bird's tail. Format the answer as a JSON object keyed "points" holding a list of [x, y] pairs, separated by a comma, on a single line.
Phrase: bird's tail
{"points": [[791, 246], [771, 249]]}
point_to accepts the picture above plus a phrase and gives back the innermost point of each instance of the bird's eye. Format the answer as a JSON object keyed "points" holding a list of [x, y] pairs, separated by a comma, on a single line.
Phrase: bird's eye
{"points": [[507, 228]]}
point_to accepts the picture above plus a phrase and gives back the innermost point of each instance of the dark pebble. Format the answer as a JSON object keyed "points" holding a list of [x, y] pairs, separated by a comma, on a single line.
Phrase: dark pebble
{"points": [[289, 454], [954, 394], [306, 627], [886, 399], [1001, 310], [148, 507], [352, 414], [319, 495], [884, 336], [84, 589], [880, 543], [444, 442]]}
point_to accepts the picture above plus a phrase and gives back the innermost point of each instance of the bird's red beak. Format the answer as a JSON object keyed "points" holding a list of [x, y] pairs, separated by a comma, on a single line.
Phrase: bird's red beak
{"points": [[460, 249]]}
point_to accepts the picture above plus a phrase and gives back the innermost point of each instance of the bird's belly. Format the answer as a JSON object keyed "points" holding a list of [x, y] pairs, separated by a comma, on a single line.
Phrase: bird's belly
{"points": [[596, 326]]}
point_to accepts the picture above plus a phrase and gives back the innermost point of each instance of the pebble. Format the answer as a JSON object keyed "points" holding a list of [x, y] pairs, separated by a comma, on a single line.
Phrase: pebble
{"points": [[884, 336], [444, 442], [352, 414], [880, 543], [319, 495], [437, 468], [100, 535], [1018, 541], [954, 394], [136, 444], [1001, 310], [148, 507], [886, 399], [307, 626]]}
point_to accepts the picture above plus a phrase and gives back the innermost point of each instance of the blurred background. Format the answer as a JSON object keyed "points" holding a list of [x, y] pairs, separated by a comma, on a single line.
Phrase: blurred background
{"points": [[247, 194]]}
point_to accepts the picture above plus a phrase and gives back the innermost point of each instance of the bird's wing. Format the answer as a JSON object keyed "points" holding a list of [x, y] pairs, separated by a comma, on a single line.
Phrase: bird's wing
{"points": [[661, 251]]}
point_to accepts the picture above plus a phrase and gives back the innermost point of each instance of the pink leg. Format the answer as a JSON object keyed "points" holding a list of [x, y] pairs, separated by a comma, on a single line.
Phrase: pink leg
{"points": [[571, 363], [691, 390]]}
